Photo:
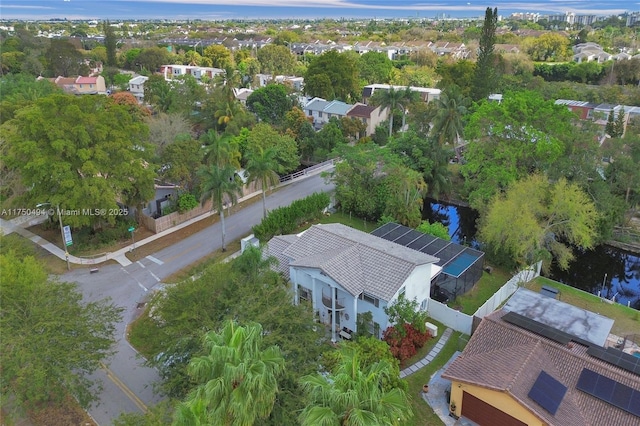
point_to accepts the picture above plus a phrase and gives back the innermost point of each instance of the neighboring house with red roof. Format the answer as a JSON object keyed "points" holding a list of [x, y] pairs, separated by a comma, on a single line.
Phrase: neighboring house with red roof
{"points": [[540, 361], [81, 85]]}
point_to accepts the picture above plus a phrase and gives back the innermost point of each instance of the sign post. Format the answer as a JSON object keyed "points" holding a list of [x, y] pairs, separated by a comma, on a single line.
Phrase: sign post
{"points": [[133, 241]]}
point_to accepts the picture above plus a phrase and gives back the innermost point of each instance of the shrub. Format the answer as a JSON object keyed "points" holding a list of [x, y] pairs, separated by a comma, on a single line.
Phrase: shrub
{"points": [[285, 220], [186, 202], [405, 345]]}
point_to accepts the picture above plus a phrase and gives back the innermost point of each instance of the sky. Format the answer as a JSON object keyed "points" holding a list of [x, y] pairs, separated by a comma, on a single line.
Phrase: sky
{"points": [[302, 9]]}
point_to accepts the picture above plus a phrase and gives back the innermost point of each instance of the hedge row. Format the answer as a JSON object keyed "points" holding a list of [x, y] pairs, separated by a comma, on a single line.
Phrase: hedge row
{"points": [[285, 220]]}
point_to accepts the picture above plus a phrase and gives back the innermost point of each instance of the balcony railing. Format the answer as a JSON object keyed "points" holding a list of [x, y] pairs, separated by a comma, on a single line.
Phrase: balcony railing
{"points": [[326, 301]]}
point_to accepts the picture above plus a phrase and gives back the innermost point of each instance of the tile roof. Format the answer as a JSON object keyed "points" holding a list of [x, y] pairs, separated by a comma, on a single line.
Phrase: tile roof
{"points": [[354, 259], [86, 80], [316, 104], [337, 107], [361, 110], [505, 358]]}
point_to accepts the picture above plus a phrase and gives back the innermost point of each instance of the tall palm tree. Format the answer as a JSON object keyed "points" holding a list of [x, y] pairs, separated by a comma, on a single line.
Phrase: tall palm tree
{"points": [[219, 150], [394, 100], [353, 396], [236, 380], [261, 165], [447, 123], [221, 184]]}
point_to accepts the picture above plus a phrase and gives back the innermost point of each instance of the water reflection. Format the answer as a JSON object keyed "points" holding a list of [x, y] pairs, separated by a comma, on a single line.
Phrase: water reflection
{"points": [[587, 272]]}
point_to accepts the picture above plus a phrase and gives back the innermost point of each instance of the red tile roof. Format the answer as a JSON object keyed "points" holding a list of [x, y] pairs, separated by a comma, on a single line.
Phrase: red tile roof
{"points": [[86, 80], [361, 110], [506, 358]]}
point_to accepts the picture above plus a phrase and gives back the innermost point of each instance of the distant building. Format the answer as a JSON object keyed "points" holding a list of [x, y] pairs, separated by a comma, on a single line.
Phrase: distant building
{"points": [[80, 85]]}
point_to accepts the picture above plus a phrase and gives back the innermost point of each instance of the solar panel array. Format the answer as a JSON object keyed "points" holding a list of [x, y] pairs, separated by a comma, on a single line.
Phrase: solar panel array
{"points": [[543, 329], [610, 391], [547, 392], [458, 256], [616, 357]]}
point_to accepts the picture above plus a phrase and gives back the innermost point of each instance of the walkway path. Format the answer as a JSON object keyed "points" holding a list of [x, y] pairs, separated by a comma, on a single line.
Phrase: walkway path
{"points": [[430, 356]]}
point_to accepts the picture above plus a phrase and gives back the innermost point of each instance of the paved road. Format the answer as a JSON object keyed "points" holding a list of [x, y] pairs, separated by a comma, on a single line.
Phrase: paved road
{"points": [[127, 383]]}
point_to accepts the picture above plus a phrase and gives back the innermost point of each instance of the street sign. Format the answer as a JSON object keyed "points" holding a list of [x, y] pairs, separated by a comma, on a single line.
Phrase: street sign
{"points": [[132, 229], [67, 235]]}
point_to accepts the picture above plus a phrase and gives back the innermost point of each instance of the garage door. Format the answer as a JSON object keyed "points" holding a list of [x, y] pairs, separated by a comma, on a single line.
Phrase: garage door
{"points": [[485, 414]]}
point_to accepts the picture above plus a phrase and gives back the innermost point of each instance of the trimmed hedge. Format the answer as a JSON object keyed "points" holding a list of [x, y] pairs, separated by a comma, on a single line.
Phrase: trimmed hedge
{"points": [[285, 220]]}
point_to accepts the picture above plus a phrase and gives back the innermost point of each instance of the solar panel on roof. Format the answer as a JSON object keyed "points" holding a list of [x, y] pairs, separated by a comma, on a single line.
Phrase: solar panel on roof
{"points": [[609, 391], [547, 392], [421, 242], [408, 238], [616, 357], [379, 232]]}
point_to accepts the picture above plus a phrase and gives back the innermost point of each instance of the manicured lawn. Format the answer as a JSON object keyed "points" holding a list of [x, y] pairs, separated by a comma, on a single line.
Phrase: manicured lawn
{"points": [[627, 320], [349, 220], [482, 291], [423, 414], [423, 351]]}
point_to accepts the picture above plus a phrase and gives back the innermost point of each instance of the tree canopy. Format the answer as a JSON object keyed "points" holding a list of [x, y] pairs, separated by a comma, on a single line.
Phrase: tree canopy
{"points": [[80, 153], [540, 220], [270, 103], [52, 340], [335, 71]]}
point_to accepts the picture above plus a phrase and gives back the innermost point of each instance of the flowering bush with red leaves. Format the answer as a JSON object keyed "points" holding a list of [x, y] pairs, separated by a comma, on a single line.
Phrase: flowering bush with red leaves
{"points": [[404, 347]]}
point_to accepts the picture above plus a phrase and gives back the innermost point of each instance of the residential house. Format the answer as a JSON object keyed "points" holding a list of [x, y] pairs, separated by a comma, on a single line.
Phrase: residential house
{"points": [[242, 95], [342, 272], [586, 52], [336, 109], [371, 116], [81, 85], [540, 361], [136, 87], [426, 94], [172, 71], [447, 48], [315, 110], [506, 48]]}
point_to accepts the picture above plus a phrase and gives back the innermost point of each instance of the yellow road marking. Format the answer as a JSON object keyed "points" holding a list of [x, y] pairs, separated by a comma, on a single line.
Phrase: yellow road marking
{"points": [[128, 392]]}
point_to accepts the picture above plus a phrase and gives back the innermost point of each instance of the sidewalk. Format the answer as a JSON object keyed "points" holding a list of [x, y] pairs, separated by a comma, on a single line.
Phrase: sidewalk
{"points": [[18, 225], [119, 255], [429, 357]]}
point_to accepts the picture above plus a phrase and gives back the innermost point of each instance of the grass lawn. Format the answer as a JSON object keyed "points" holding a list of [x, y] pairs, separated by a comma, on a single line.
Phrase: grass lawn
{"points": [[627, 320], [482, 291], [423, 351], [423, 414]]}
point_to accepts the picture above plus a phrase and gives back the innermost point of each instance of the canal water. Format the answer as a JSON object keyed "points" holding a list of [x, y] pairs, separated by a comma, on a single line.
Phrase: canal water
{"points": [[605, 270]]}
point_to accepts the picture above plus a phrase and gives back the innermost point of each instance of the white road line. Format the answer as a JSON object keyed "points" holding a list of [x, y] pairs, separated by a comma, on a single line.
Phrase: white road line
{"points": [[154, 276], [142, 287], [154, 260], [140, 263]]}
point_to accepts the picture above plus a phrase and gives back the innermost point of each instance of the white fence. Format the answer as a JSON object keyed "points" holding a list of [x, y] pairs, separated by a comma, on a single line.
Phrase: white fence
{"points": [[326, 165], [464, 323], [508, 289]]}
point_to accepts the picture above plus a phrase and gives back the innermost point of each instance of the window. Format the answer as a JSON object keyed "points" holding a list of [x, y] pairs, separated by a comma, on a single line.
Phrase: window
{"points": [[367, 298], [423, 305], [304, 294], [320, 114]]}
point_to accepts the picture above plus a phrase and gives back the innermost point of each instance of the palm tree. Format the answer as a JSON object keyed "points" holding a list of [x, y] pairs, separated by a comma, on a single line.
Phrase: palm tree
{"points": [[261, 165], [221, 184], [353, 396], [236, 381], [447, 123], [394, 100], [219, 149]]}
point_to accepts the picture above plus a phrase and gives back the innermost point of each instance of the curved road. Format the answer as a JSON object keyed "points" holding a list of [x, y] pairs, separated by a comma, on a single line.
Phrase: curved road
{"points": [[127, 383]]}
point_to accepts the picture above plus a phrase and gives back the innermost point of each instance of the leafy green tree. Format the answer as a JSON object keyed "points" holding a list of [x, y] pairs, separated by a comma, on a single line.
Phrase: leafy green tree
{"points": [[406, 193], [52, 340], [263, 136], [63, 59], [276, 60], [160, 414], [260, 168], [151, 59], [157, 92], [270, 103], [484, 79], [110, 43], [236, 380], [539, 220], [460, 73], [618, 127], [436, 229], [219, 55], [179, 160], [79, 153], [220, 183], [610, 127], [187, 93], [404, 311], [375, 67], [326, 140], [335, 71], [353, 395]]}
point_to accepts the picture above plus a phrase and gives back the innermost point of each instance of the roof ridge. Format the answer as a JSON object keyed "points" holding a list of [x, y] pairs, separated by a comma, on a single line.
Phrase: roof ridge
{"points": [[536, 345]]}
